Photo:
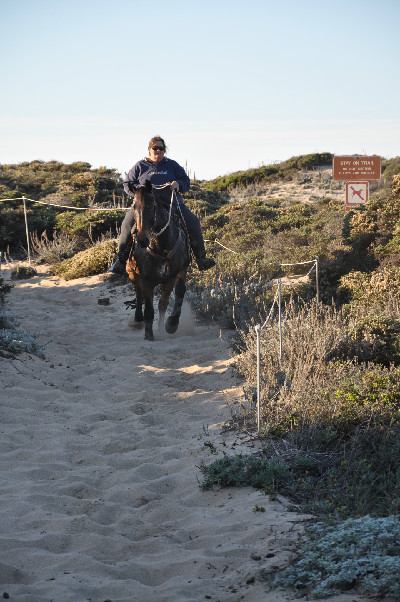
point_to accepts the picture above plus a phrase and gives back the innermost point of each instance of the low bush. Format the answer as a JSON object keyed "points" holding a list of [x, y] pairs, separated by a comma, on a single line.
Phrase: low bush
{"points": [[321, 470], [89, 225], [22, 272], [232, 303], [53, 250], [321, 348], [243, 471], [89, 262]]}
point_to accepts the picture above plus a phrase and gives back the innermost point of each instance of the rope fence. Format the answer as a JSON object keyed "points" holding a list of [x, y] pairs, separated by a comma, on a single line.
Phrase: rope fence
{"points": [[277, 299], [24, 199]]}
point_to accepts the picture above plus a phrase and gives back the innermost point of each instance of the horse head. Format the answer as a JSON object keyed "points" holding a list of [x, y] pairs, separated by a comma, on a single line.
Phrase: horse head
{"points": [[144, 209]]}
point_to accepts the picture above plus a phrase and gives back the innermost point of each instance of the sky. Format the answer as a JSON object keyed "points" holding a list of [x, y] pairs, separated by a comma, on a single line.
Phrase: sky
{"points": [[228, 84]]}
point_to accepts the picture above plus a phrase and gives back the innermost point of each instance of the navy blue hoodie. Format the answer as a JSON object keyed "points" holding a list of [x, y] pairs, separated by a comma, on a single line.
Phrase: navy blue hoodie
{"points": [[160, 173]]}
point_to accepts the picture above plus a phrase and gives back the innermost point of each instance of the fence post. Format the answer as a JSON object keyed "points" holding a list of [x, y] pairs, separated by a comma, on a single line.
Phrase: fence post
{"points": [[317, 276], [27, 230], [280, 319], [258, 332], [216, 263]]}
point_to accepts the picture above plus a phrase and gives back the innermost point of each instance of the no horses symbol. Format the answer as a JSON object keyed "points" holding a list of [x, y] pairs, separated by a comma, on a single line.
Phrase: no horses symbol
{"points": [[357, 193]]}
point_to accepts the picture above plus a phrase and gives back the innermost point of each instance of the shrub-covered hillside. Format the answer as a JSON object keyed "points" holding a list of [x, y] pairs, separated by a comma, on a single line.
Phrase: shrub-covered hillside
{"points": [[75, 184], [266, 173], [71, 185]]}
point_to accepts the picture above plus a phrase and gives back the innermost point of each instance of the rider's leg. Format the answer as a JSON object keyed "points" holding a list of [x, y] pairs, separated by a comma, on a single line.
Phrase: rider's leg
{"points": [[124, 244], [196, 239]]}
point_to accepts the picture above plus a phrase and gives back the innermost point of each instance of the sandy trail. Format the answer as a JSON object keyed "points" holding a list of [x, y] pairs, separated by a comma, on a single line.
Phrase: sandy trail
{"points": [[100, 443]]}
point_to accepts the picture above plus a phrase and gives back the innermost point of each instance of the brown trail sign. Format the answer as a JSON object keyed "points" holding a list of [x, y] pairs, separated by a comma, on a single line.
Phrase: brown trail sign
{"points": [[356, 168]]}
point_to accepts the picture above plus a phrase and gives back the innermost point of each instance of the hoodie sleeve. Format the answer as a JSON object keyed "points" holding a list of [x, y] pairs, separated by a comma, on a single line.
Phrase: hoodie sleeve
{"points": [[131, 181], [182, 178]]}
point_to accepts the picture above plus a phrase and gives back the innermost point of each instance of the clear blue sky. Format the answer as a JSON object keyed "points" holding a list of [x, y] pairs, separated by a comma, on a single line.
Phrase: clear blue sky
{"points": [[228, 84]]}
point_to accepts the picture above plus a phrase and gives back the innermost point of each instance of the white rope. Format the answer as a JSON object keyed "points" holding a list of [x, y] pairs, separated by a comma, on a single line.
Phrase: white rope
{"points": [[305, 275], [65, 206], [157, 234], [270, 313], [216, 241], [160, 186]]}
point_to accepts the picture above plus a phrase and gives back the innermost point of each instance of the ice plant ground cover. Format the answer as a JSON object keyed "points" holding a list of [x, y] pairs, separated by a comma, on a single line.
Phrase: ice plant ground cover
{"points": [[362, 553]]}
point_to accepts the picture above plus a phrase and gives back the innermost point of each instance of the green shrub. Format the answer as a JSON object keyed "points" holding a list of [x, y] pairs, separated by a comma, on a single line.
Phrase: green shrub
{"points": [[372, 288], [90, 262], [53, 181], [12, 223], [323, 472], [373, 400], [244, 471], [90, 225]]}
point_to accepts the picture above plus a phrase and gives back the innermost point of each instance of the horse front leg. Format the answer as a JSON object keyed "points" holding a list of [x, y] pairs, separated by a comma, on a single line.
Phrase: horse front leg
{"points": [[166, 291], [138, 316], [172, 323], [148, 294]]}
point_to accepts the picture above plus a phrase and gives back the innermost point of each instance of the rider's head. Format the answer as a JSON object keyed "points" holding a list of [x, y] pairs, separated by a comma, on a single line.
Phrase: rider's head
{"points": [[157, 149]]}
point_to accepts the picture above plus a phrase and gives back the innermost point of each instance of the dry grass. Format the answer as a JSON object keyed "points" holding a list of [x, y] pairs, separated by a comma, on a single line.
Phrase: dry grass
{"points": [[321, 352], [61, 246]]}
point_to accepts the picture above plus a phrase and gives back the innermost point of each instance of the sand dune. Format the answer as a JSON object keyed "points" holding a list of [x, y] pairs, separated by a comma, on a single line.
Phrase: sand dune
{"points": [[101, 443]]}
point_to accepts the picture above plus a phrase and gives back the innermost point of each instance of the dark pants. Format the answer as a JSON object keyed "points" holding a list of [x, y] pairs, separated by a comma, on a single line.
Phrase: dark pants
{"points": [[192, 224]]}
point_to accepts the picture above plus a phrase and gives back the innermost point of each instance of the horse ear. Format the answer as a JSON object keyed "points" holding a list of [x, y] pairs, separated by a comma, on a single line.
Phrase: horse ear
{"points": [[148, 186]]}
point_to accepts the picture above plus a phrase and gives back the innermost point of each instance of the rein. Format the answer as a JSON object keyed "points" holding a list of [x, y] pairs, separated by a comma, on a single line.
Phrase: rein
{"points": [[157, 234]]}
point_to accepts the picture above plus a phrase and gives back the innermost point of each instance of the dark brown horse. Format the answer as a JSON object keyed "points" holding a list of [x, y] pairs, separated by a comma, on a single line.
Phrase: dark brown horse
{"points": [[160, 255]]}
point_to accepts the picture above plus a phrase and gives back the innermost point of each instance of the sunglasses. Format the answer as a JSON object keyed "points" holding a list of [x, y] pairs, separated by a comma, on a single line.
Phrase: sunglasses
{"points": [[158, 148]]}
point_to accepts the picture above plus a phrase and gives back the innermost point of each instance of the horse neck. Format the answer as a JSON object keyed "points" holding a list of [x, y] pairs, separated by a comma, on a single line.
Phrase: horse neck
{"points": [[168, 237]]}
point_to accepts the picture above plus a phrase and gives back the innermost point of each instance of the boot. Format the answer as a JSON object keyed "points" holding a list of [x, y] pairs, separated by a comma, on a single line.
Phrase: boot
{"points": [[203, 262], [119, 265], [192, 223]]}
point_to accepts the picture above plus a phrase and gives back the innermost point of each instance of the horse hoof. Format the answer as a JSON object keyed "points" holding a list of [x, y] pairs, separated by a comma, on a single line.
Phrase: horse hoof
{"points": [[171, 325], [137, 324]]}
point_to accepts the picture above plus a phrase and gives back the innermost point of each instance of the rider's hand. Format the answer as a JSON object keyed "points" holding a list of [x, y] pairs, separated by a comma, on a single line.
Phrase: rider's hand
{"points": [[175, 186]]}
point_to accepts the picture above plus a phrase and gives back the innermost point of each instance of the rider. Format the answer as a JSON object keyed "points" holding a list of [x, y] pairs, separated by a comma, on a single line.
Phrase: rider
{"points": [[160, 170]]}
